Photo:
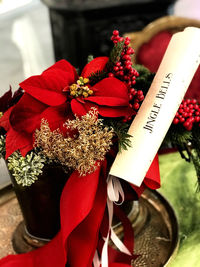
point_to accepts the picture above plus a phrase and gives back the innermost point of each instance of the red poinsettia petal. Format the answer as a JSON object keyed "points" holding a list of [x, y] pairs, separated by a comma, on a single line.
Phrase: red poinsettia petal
{"points": [[111, 87], [18, 141], [48, 87], [96, 64], [25, 116], [4, 121], [79, 108], [113, 112], [56, 116], [108, 101], [5, 100], [66, 67]]}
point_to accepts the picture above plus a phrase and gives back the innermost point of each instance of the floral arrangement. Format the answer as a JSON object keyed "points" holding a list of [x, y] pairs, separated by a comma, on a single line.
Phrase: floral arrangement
{"points": [[59, 109], [80, 122]]}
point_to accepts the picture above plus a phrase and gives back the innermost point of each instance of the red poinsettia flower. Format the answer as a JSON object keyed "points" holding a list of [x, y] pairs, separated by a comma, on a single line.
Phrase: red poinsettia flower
{"points": [[47, 96], [110, 95], [43, 98]]}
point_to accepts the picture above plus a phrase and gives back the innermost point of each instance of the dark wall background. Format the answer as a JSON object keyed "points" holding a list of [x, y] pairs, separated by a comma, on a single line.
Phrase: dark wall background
{"points": [[80, 28]]}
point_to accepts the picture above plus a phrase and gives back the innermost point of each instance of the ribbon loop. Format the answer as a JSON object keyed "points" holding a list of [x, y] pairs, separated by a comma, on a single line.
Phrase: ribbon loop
{"points": [[115, 194], [115, 190]]}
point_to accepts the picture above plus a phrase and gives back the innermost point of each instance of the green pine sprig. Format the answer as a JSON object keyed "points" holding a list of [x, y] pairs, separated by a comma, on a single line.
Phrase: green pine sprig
{"points": [[113, 58], [90, 58], [97, 76], [115, 55], [145, 78], [2, 146], [121, 131], [177, 135]]}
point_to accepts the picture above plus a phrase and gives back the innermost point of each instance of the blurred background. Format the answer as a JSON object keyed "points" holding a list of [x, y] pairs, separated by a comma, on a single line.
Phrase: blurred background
{"points": [[36, 33]]}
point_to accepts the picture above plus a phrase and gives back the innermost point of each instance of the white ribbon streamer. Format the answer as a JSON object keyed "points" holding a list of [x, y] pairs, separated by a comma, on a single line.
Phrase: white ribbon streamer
{"points": [[115, 193], [96, 260]]}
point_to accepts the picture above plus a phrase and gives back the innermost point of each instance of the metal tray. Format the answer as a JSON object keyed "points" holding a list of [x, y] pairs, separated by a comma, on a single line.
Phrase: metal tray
{"points": [[155, 229], [153, 219]]}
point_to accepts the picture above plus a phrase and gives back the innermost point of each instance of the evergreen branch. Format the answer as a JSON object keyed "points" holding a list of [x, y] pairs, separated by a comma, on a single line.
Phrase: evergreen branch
{"points": [[120, 129], [144, 80], [97, 76], [2, 146], [115, 55], [178, 136], [90, 58]]}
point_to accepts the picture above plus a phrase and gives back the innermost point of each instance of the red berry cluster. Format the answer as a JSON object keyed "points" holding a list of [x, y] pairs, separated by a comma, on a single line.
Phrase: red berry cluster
{"points": [[135, 99], [188, 113], [124, 71]]}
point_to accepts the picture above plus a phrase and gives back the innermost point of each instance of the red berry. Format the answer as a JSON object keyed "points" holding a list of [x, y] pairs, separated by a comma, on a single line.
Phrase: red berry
{"points": [[127, 42], [133, 91], [130, 97], [139, 92], [130, 51], [136, 106], [118, 64], [184, 114], [129, 118], [191, 106], [176, 121], [141, 97], [126, 57], [133, 82], [115, 32]]}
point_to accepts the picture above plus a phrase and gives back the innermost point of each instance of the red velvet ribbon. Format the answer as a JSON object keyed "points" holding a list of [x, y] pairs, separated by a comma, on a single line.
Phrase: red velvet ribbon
{"points": [[82, 208]]}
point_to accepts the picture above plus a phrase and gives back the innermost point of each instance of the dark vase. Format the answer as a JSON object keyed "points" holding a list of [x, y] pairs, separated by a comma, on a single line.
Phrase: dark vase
{"points": [[40, 206]]}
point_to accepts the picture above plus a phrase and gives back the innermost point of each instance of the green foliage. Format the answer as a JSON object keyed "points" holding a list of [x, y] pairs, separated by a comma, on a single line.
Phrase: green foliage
{"points": [[2, 146], [145, 78], [115, 55], [90, 58], [97, 76], [113, 58], [178, 136], [120, 130], [188, 145], [26, 169]]}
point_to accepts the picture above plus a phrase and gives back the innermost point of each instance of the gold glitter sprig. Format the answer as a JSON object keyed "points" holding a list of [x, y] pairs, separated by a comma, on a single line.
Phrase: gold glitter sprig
{"points": [[81, 152]]}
